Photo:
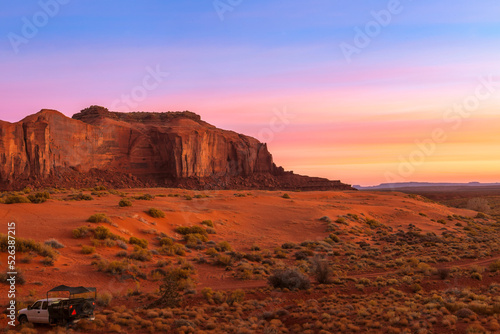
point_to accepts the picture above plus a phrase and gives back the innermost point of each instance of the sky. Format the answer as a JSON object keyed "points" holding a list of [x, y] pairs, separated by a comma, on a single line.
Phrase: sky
{"points": [[366, 92]]}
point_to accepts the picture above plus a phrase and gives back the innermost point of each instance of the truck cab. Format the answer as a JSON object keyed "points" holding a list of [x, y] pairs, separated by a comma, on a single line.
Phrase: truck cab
{"points": [[38, 312]]}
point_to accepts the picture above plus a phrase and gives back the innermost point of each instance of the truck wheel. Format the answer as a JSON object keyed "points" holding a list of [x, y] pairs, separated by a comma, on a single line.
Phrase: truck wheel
{"points": [[87, 307], [23, 319]]}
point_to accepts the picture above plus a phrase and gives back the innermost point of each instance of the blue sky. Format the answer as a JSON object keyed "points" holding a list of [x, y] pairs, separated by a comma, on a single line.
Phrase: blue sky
{"points": [[266, 56]]}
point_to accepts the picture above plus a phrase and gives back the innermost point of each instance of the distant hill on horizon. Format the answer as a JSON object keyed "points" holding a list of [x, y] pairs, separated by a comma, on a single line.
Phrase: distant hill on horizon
{"points": [[406, 185]]}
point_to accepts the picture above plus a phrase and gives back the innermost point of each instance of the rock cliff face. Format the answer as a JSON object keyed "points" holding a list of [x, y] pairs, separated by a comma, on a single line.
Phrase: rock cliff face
{"points": [[175, 149]]}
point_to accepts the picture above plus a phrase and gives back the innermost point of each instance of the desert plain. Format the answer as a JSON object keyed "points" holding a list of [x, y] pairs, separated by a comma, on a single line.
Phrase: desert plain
{"points": [[256, 261]]}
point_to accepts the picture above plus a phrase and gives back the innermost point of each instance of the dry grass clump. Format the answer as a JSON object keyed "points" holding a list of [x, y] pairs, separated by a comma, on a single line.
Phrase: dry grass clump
{"points": [[99, 218], [156, 213]]}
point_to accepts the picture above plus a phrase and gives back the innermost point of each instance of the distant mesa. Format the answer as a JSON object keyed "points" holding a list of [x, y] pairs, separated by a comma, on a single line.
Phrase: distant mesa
{"points": [[138, 149]]}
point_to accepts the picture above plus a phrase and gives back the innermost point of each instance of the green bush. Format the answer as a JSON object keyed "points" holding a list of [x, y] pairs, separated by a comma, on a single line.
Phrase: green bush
{"points": [[140, 254], [101, 233], [99, 218], [113, 267], [286, 196], [28, 245], [145, 197], [39, 197], [223, 246], [156, 213], [185, 230], [88, 250], [13, 199], [124, 202], [81, 232], [143, 243], [166, 241], [81, 197], [171, 250], [208, 223]]}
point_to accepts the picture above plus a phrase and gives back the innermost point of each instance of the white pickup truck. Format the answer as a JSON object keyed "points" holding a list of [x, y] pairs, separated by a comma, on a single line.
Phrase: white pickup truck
{"points": [[37, 313], [61, 311]]}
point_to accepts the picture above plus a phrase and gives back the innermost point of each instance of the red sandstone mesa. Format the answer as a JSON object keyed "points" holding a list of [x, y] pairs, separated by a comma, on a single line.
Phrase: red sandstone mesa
{"points": [[138, 149]]}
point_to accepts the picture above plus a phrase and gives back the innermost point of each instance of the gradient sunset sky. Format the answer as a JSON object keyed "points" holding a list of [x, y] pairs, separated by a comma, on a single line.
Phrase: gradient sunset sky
{"points": [[418, 99]]}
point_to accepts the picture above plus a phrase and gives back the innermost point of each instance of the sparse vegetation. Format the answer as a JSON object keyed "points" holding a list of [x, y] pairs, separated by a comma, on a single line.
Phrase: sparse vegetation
{"points": [[156, 213], [54, 243], [99, 218], [290, 278], [124, 203]]}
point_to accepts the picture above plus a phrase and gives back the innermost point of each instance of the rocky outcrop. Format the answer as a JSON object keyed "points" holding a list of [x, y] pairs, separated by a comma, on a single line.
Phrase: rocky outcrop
{"points": [[175, 149]]}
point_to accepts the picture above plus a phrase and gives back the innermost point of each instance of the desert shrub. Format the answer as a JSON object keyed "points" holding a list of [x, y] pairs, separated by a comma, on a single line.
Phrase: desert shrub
{"points": [[443, 273], [237, 296], [476, 275], [187, 197], [47, 261], [156, 213], [124, 202], [171, 250], [373, 223], [223, 246], [121, 254], [101, 233], [481, 215], [321, 270], [39, 197], [208, 223], [184, 230], [255, 247], [81, 232], [478, 204], [290, 278], [334, 238], [13, 199], [104, 299], [20, 279], [139, 242], [223, 260], [54, 243], [98, 218], [81, 197], [465, 313], [145, 197], [88, 250], [286, 196], [27, 245], [166, 241], [211, 251], [113, 267], [140, 254], [121, 244], [288, 245], [325, 219], [303, 254], [495, 266]]}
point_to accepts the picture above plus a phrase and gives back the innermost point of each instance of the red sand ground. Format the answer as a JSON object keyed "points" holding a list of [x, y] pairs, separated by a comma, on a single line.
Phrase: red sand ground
{"points": [[263, 218]]}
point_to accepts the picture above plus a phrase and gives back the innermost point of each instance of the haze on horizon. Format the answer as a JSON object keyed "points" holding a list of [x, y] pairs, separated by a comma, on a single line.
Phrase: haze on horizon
{"points": [[371, 92]]}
